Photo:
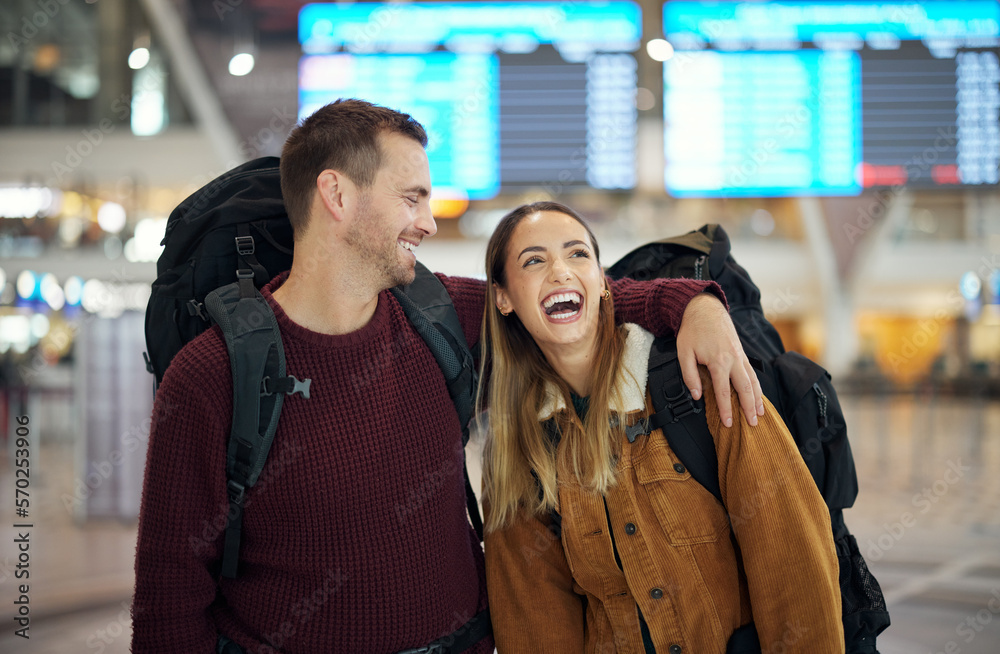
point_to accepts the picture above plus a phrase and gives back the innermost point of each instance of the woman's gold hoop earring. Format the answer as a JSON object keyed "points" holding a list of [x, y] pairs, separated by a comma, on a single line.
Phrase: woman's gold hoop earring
{"points": [[606, 294], [503, 313]]}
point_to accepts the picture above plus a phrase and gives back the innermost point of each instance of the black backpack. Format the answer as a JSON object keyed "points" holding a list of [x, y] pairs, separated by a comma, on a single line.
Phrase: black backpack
{"points": [[222, 244], [799, 389]]}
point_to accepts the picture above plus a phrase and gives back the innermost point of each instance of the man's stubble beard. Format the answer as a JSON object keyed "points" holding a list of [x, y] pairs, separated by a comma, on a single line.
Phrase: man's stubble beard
{"points": [[379, 257]]}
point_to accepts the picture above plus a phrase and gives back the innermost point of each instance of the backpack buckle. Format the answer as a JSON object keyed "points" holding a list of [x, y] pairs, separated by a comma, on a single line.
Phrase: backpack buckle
{"points": [[236, 492], [633, 431], [244, 245], [683, 405], [289, 385], [196, 308]]}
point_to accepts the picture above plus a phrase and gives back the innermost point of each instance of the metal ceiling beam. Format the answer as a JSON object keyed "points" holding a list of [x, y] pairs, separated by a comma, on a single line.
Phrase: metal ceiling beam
{"points": [[193, 82]]}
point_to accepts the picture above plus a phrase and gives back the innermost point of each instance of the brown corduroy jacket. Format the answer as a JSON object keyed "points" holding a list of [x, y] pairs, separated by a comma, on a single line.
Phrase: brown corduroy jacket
{"points": [[680, 566]]}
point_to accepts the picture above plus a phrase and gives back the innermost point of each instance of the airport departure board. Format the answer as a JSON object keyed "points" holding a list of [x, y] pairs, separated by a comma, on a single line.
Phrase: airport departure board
{"points": [[512, 94], [830, 98]]}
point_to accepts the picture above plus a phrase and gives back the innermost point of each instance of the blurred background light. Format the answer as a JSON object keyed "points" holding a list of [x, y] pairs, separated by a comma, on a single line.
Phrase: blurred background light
{"points": [[15, 332], [145, 246], [138, 58], [659, 49], [18, 202], [449, 205], [644, 99], [47, 58], [992, 284], [149, 104], [28, 285], [970, 286], [113, 247], [70, 231], [241, 64], [111, 217], [94, 295], [73, 290], [52, 292], [38, 325], [762, 222], [72, 203]]}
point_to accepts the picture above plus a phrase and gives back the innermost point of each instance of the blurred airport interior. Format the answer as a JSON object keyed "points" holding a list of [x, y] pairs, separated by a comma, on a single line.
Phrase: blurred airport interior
{"points": [[851, 150]]}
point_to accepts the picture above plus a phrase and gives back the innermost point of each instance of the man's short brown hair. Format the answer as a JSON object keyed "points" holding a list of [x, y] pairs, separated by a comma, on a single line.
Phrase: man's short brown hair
{"points": [[341, 136]]}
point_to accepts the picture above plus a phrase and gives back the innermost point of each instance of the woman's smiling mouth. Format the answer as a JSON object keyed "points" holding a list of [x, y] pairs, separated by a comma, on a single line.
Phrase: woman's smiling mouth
{"points": [[562, 307]]}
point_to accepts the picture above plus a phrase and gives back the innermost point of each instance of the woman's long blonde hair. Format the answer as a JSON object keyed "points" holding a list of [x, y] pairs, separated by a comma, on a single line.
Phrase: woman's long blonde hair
{"points": [[519, 460]]}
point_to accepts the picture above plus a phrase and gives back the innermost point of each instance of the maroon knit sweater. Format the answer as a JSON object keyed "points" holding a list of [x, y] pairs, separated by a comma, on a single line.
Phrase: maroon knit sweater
{"points": [[356, 537]]}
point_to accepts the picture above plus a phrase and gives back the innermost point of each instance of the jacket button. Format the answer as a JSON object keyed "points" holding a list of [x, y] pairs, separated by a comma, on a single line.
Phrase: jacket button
{"points": [[629, 528], [679, 468], [675, 649], [656, 593]]}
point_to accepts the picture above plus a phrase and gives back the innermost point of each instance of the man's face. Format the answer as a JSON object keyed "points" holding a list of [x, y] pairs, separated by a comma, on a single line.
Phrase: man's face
{"points": [[394, 213]]}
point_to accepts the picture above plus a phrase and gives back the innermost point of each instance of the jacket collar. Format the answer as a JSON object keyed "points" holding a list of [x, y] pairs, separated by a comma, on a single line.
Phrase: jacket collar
{"points": [[631, 384]]}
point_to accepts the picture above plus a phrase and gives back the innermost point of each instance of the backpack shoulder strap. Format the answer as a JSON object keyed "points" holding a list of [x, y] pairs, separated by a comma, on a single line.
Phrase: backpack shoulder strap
{"points": [[257, 362], [680, 416], [429, 308]]}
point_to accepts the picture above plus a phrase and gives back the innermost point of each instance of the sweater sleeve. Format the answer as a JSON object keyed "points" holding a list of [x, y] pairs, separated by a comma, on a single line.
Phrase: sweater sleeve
{"points": [[469, 296], [783, 528], [658, 305], [533, 605], [183, 513]]}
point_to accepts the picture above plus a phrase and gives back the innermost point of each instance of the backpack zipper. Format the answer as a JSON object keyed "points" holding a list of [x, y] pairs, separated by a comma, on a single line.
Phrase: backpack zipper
{"points": [[821, 404], [699, 264]]}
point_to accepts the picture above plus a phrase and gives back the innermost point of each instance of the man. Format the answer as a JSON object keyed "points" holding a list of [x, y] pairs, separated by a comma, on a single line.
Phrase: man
{"points": [[356, 539]]}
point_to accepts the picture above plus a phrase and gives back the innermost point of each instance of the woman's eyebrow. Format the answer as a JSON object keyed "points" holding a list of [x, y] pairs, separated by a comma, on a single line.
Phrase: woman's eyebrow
{"points": [[532, 248], [539, 248]]}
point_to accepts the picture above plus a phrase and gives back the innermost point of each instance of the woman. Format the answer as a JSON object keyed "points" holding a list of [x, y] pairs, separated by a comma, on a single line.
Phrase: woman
{"points": [[645, 561]]}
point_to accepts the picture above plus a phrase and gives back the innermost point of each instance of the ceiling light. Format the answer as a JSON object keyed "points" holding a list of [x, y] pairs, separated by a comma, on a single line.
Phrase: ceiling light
{"points": [[138, 59], [241, 64], [659, 49]]}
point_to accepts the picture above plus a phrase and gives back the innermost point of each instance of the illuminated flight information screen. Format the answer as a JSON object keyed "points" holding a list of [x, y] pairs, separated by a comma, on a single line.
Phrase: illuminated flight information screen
{"points": [[462, 144], [830, 98], [511, 94]]}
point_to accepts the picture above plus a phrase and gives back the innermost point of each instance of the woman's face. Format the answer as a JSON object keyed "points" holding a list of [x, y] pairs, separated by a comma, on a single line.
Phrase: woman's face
{"points": [[554, 281]]}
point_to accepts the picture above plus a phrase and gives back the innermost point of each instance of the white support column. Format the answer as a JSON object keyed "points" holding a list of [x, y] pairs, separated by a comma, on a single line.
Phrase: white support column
{"points": [[193, 82], [838, 311], [878, 243]]}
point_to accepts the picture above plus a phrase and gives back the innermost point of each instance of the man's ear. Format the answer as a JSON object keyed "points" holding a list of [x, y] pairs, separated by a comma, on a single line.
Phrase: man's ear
{"points": [[333, 189]]}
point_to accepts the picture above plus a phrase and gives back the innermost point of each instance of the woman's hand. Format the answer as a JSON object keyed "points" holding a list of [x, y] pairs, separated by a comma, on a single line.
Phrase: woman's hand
{"points": [[707, 336]]}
